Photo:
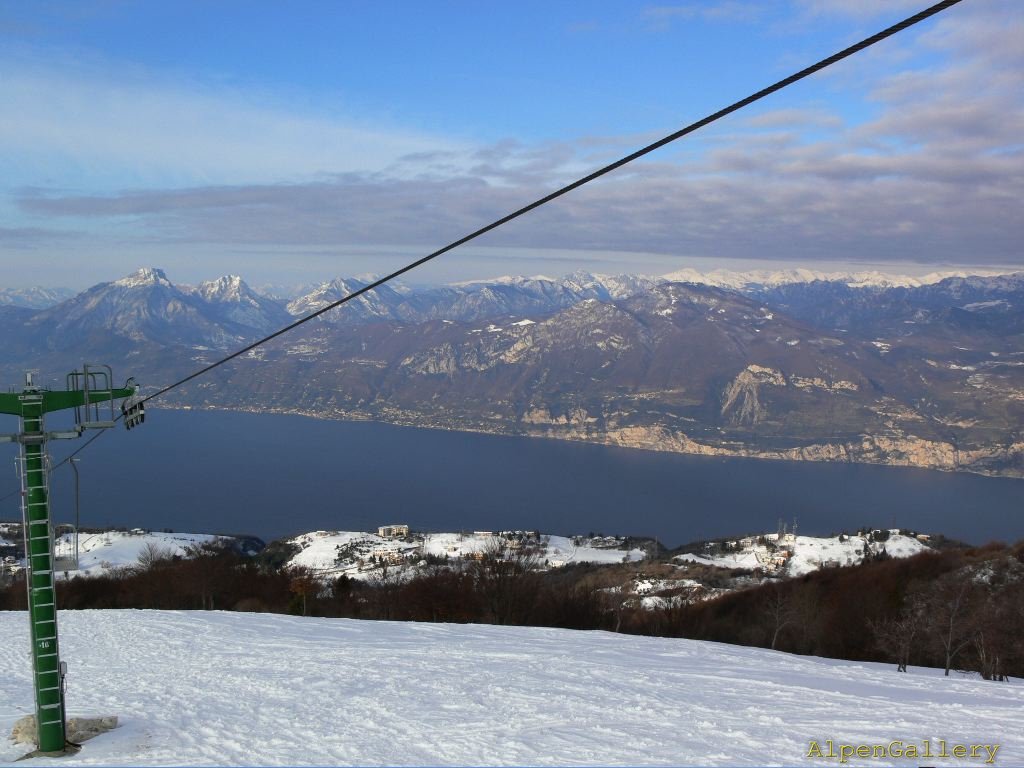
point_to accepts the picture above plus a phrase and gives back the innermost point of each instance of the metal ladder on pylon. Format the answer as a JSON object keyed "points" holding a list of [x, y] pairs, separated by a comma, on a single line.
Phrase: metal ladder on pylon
{"points": [[44, 619]]}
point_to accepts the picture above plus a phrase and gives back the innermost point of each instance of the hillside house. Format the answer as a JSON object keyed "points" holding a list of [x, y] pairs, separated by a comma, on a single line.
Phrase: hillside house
{"points": [[770, 562], [392, 556], [393, 531]]}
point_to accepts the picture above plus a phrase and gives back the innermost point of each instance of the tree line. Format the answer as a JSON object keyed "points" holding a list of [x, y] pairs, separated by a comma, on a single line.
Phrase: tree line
{"points": [[956, 609]]}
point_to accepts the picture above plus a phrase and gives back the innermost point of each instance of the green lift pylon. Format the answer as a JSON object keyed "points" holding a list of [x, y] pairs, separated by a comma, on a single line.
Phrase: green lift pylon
{"points": [[91, 393]]}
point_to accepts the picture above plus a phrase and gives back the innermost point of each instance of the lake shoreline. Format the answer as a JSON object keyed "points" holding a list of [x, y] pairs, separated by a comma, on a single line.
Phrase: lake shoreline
{"points": [[654, 440]]}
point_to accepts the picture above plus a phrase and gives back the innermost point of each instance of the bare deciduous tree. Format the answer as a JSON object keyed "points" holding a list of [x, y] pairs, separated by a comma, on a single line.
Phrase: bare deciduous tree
{"points": [[504, 578], [947, 618], [780, 612], [303, 584], [154, 555], [898, 636], [997, 640]]}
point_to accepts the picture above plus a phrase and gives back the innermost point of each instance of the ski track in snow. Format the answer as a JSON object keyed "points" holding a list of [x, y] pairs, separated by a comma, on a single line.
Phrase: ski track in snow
{"points": [[217, 688]]}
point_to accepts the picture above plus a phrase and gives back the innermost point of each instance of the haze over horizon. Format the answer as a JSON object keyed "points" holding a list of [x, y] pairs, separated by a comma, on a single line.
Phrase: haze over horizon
{"points": [[686, 271], [295, 145]]}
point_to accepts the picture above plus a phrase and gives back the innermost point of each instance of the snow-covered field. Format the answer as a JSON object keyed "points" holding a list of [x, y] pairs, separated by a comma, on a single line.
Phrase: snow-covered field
{"points": [[212, 688]]}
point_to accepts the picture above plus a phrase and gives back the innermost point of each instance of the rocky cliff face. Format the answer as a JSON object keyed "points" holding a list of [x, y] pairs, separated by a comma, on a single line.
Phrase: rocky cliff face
{"points": [[742, 405], [902, 451]]}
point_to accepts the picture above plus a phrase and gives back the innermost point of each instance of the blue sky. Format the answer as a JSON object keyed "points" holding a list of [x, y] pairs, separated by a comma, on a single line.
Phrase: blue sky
{"points": [[295, 142]]}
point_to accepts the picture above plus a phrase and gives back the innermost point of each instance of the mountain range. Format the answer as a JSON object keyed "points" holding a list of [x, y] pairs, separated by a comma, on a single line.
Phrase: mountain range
{"points": [[794, 365], [33, 298]]}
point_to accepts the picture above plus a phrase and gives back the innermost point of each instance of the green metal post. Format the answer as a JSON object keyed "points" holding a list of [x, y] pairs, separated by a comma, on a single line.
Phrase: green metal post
{"points": [[31, 405], [42, 598]]}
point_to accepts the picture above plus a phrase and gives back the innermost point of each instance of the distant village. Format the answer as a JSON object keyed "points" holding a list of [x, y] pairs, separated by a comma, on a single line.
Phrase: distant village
{"points": [[397, 539], [361, 555]]}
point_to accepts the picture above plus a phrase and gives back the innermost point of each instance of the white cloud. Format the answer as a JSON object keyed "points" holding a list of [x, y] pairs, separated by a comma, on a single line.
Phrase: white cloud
{"points": [[860, 9], [150, 131]]}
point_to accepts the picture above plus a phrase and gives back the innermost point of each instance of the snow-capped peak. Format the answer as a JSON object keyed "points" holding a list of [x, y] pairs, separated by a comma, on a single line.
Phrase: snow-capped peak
{"points": [[144, 276], [322, 295], [226, 288]]}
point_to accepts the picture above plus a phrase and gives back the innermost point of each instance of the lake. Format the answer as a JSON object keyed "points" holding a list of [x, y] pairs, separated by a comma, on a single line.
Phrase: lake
{"points": [[273, 475]]}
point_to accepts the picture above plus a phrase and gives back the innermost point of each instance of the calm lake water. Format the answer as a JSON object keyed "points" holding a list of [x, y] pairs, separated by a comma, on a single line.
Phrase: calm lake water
{"points": [[272, 475]]}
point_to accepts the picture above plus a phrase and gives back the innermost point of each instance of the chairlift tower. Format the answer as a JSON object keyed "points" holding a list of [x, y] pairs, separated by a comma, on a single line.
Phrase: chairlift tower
{"points": [[90, 392]]}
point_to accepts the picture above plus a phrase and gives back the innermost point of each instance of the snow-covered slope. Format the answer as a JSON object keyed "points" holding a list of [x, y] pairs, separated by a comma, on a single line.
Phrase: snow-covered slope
{"points": [[100, 553], [212, 688], [378, 304], [352, 552], [804, 554], [811, 553]]}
